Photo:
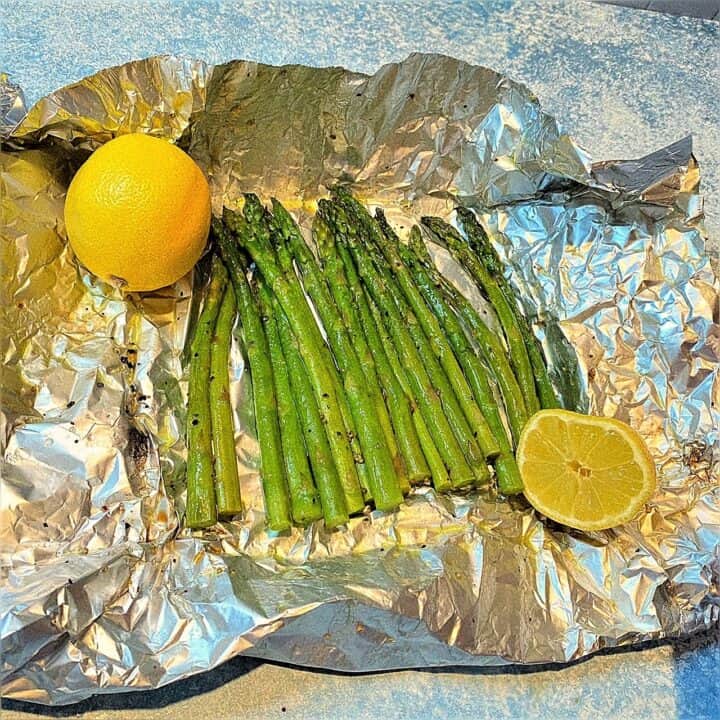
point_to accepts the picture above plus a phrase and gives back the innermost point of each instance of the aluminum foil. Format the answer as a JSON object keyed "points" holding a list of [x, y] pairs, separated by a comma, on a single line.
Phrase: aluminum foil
{"points": [[101, 589]]}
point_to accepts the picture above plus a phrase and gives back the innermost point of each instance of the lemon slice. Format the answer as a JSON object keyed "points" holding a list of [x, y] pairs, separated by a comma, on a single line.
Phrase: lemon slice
{"points": [[587, 472]]}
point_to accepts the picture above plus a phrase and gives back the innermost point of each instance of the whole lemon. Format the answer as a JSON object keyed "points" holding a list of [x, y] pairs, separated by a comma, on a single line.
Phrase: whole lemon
{"points": [[137, 212]]}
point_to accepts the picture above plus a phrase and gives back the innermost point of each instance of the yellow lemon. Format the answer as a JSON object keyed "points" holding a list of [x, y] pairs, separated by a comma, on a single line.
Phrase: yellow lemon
{"points": [[590, 473], [137, 212]]}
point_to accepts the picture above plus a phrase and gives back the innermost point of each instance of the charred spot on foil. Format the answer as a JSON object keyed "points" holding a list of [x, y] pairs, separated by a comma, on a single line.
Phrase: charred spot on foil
{"points": [[70, 404], [697, 457], [138, 446]]}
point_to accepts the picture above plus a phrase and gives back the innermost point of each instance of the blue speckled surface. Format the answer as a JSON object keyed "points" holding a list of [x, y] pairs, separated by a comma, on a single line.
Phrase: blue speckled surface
{"points": [[624, 82]]}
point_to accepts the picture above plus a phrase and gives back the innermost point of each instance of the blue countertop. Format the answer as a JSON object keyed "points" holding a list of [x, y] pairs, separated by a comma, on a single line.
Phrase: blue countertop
{"points": [[624, 83]]}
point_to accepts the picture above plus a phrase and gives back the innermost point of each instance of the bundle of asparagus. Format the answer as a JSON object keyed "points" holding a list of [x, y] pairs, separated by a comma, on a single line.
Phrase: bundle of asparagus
{"points": [[407, 383]]}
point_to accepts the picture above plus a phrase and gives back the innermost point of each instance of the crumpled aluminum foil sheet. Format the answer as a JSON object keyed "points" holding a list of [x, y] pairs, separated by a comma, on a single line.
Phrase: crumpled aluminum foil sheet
{"points": [[102, 592]]}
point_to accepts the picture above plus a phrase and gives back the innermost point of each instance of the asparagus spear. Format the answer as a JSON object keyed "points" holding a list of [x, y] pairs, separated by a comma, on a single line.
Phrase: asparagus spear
{"points": [[480, 242], [344, 282], [255, 239], [518, 353], [304, 500], [438, 340], [227, 485], [383, 479], [277, 504], [508, 476], [438, 471], [439, 380], [423, 390], [201, 510], [324, 471], [488, 343]]}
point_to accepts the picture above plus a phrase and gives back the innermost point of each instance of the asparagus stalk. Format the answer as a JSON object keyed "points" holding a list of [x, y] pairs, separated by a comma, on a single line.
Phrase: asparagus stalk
{"points": [[277, 503], [324, 471], [508, 475], [482, 246], [487, 342], [344, 282], [254, 237], [438, 471], [366, 246], [201, 510], [439, 341], [304, 500], [227, 485], [383, 479], [508, 320], [423, 390]]}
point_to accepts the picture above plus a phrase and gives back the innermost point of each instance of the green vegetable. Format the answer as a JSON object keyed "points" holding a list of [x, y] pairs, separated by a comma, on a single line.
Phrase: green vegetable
{"points": [[286, 264], [508, 320], [490, 346], [253, 235], [367, 234], [272, 467], [324, 471], [383, 479], [439, 342], [346, 302], [345, 283], [201, 510], [227, 485], [423, 390], [438, 471], [508, 475], [304, 500], [484, 250]]}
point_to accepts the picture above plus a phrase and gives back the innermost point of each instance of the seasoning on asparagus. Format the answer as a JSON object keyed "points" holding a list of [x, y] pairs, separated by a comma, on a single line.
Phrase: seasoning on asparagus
{"points": [[508, 476], [343, 278], [423, 391], [304, 499], [508, 320], [201, 509], [272, 468], [486, 253], [227, 485], [254, 237], [383, 479], [328, 483], [488, 343], [438, 378]]}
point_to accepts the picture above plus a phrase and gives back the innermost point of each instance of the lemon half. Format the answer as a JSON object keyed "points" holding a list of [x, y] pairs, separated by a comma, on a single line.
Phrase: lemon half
{"points": [[587, 472]]}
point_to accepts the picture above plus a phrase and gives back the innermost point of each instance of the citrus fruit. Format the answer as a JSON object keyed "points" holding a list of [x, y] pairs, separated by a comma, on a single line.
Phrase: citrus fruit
{"points": [[587, 472], [137, 212]]}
